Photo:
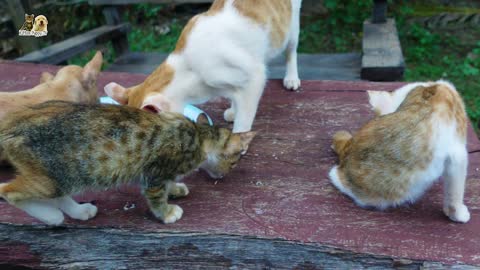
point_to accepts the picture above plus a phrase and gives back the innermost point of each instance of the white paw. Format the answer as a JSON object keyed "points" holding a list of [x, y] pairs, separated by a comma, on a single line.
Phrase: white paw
{"points": [[174, 214], [85, 211], [181, 190], [53, 219], [291, 83], [229, 115], [458, 213]]}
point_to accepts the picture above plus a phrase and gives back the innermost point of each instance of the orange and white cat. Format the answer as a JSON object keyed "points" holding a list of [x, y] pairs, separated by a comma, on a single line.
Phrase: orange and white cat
{"points": [[420, 134], [222, 52]]}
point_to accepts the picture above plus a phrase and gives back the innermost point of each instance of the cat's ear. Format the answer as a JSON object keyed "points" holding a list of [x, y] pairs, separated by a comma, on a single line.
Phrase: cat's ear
{"points": [[46, 77], [92, 69], [381, 101], [156, 103], [117, 92]]}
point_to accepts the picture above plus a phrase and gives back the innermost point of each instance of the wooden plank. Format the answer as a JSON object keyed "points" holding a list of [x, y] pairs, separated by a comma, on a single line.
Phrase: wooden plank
{"points": [[112, 17], [15, 8], [382, 58], [128, 2], [128, 249], [345, 66], [66, 49], [7, 28], [279, 192], [379, 11]]}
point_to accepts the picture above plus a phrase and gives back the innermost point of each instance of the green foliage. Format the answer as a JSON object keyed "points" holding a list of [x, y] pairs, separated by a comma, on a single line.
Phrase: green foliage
{"points": [[147, 39], [339, 30]]}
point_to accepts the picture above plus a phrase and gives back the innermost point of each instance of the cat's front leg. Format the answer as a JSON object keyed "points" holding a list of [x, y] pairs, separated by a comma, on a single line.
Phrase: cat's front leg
{"points": [[75, 210], [291, 80], [454, 178], [246, 100], [157, 196]]}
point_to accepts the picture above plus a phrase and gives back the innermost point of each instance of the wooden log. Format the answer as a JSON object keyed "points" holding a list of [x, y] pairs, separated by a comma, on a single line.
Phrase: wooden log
{"points": [[382, 58], [85, 248], [379, 14], [120, 42], [66, 49]]}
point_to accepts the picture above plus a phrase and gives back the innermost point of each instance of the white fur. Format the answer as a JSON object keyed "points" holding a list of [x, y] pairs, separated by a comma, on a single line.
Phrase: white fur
{"points": [[338, 184], [226, 55], [450, 158], [44, 210], [75, 210], [174, 214]]}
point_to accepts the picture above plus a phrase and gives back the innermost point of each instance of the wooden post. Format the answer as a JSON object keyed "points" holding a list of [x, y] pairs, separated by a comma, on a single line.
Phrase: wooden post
{"points": [[112, 17], [379, 14], [15, 9]]}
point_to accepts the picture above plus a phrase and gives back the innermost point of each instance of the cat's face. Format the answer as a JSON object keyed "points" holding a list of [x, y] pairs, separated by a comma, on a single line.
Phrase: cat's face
{"points": [[29, 18], [224, 154]]}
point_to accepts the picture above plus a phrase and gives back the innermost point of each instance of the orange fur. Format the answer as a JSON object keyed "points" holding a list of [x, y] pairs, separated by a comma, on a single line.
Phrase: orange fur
{"points": [[377, 163], [71, 83], [275, 15]]}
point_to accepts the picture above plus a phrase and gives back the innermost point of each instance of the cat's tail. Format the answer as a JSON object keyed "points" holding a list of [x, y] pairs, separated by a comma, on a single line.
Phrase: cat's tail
{"points": [[341, 143]]}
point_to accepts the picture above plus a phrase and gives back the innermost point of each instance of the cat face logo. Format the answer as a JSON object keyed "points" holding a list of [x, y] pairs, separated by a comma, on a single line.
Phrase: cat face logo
{"points": [[34, 27]]}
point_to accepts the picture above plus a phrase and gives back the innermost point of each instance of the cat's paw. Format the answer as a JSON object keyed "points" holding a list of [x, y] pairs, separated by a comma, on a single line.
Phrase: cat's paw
{"points": [[175, 212], [229, 115], [179, 190], [53, 219], [291, 83], [84, 211], [457, 213]]}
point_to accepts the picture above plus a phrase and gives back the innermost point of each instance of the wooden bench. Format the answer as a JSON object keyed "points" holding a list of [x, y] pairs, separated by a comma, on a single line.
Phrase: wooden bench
{"points": [[382, 58], [276, 210]]}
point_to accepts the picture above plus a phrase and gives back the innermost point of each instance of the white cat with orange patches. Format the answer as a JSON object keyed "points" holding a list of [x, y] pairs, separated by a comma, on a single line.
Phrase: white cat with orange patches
{"points": [[222, 52], [420, 134]]}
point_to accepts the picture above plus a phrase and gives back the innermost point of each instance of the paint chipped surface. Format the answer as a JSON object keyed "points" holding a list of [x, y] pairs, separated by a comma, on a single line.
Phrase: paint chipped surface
{"points": [[280, 188]]}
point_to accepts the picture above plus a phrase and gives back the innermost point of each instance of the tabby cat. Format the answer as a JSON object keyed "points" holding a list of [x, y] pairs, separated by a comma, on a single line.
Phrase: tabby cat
{"points": [[61, 148]]}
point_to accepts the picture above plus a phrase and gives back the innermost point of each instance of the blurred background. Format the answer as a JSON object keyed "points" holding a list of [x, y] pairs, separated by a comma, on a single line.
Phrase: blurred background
{"points": [[439, 38]]}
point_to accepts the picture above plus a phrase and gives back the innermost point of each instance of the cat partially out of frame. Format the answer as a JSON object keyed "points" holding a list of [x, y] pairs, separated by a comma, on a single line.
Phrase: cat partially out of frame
{"points": [[60, 148], [222, 52], [419, 134]]}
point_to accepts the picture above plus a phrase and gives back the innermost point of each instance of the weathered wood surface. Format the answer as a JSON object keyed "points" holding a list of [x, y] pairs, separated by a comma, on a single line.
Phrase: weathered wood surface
{"points": [[382, 58], [62, 51], [341, 66], [276, 207]]}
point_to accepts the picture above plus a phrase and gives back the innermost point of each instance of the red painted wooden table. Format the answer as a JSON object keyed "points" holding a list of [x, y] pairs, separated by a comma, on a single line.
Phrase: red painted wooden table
{"points": [[277, 209]]}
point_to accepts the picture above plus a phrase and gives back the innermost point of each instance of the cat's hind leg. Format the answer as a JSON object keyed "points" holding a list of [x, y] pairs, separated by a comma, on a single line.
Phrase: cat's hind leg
{"points": [[454, 178], [33, 197], [229, 114], [337, 179], [75, 210], [291, 80], [178, 190], [157, 196]]}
